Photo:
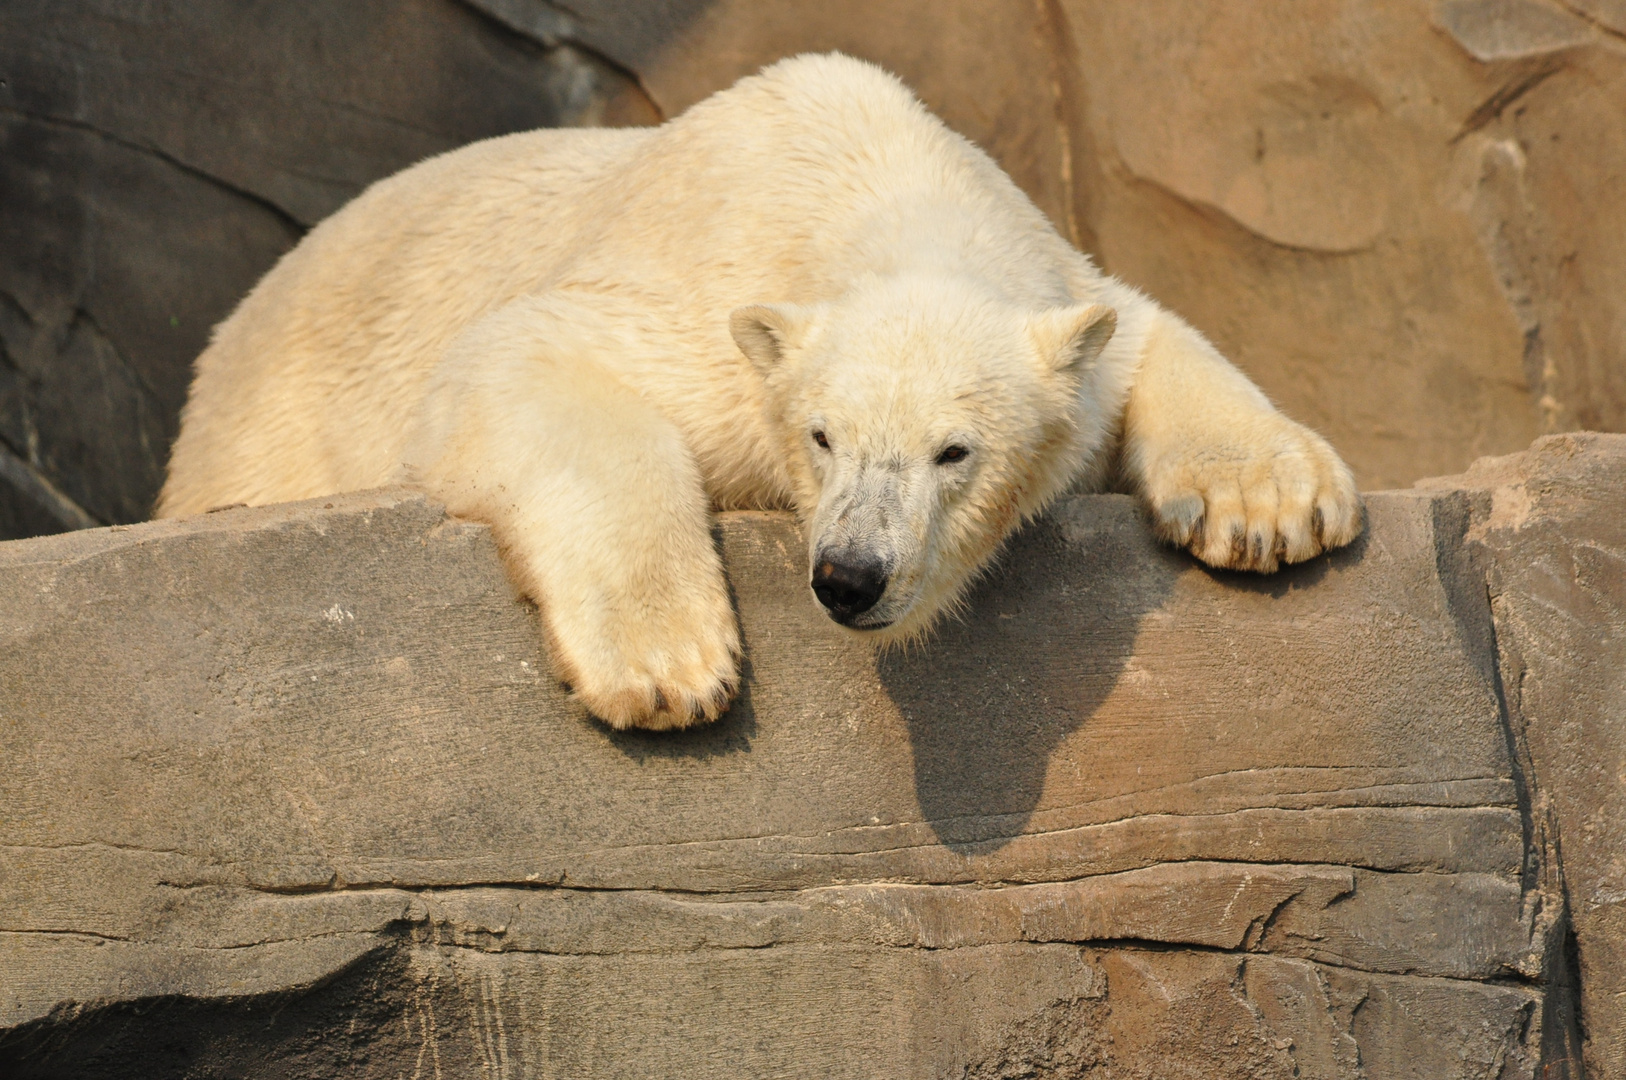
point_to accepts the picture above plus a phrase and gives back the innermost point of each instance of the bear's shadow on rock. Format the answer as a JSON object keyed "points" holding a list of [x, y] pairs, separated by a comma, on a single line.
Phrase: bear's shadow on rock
{"points": [[732, 733], [1043, 641]]}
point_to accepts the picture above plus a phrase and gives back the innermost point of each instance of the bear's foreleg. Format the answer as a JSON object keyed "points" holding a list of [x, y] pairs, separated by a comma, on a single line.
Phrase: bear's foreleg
{"points": [[596, 502], [1226, 475]]}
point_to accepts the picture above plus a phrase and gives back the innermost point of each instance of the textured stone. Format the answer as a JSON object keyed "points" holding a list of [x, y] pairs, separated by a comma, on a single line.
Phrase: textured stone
{"points": [[1611, 14], [299, 794], [1411, 248], [1551, 527], [156, 159], [287, 790], [1511, 29]]}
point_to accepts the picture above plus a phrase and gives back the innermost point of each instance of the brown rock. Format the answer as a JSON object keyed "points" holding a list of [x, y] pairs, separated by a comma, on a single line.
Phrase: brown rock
{"points": [[1284, 184], [1551, 527], [297, 784]]}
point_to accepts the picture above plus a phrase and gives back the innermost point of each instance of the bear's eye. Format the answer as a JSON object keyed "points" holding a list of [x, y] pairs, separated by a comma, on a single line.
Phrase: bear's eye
{"points": [[952, 454], [818, 437]]}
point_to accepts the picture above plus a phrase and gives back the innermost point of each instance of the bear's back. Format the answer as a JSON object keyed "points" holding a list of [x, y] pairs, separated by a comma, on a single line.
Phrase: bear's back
{"points": [[316, 366]]}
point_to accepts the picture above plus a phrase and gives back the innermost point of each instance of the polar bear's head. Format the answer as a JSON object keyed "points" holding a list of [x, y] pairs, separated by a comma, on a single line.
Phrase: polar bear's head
{"points": [[923, 420]]}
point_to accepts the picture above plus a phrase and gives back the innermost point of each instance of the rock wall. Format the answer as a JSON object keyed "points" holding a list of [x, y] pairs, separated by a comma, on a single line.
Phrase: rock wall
{"points": [[1550, 531], [290, 792], [1402, 218], [156, 159]]}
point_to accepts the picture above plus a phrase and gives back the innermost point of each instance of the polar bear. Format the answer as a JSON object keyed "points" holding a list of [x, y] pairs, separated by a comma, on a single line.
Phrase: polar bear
{"points": [[805, 292]]}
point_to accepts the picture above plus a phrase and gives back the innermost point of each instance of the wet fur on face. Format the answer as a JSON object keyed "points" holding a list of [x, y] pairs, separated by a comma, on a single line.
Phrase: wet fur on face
{"points": [[924, 419]]}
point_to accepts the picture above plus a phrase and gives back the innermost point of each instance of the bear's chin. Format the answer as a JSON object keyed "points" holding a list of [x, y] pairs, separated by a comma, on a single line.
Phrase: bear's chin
{"points": [[865, 628], [898, 632]]}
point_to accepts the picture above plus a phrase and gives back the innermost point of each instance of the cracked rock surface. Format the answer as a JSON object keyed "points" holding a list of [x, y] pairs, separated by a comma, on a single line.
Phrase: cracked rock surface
{"points": [[290, 791]]}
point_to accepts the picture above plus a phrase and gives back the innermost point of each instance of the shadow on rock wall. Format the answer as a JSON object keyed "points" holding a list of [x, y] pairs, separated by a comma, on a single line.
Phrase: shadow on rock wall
{"points": [[156, 160], [360, 1018], [991, 695]]}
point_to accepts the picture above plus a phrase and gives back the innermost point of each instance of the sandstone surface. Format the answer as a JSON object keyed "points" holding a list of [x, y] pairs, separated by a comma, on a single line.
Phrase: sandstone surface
{"points": [[289, 791], [1550, 529]]}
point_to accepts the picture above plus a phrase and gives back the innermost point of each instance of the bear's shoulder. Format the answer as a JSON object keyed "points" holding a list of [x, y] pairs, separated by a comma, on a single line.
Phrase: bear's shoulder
{"points": [[820, 76], [823, 90]]}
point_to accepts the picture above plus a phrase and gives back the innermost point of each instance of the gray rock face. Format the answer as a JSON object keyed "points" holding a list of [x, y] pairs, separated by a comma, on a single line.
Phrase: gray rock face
{"points": [[157, 159], [290, 791]]}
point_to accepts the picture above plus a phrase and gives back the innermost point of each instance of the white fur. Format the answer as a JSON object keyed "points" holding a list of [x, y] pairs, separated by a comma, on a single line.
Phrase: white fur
{"points": [[590, 339]]}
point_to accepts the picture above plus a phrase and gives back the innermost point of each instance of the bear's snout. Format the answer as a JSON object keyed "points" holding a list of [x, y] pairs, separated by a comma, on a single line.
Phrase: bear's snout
{"points": [[848, 586]]}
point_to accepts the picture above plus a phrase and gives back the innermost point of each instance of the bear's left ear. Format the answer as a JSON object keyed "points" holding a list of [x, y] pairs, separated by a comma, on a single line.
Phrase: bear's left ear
{"points": [[1069, 338], [765, 332]]}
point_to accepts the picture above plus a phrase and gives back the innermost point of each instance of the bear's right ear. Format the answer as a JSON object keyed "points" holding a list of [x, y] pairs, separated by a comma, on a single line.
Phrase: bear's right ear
{"points": [[1070, 338], [765, 332]]}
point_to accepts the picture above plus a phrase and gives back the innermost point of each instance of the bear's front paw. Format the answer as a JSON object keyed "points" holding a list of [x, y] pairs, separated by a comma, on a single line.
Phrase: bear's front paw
{"points": [[1278, 494], [642, 682]]}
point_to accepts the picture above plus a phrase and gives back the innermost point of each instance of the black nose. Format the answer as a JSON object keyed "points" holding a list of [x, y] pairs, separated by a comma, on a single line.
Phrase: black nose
{"points": [[848, 587]]}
